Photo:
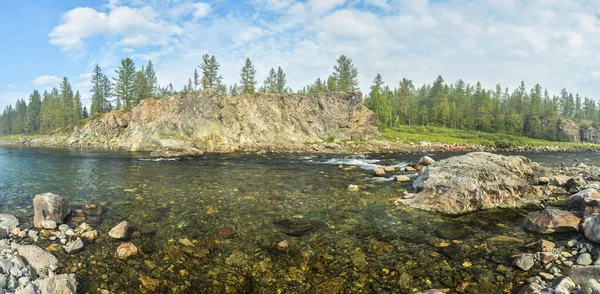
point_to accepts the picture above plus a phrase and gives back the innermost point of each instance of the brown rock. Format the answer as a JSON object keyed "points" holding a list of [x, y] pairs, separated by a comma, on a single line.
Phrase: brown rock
{"points": [[548, 221], [149, 283], [126, 250], [119, 231], [226, 233], [545, 257], [547, 246], [389, 169], [90, 236], [49, 206], [379, 171]]}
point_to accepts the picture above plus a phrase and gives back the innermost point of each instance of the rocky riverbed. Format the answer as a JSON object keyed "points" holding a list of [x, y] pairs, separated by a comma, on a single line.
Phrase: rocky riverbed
{"points": [[305, 224]]}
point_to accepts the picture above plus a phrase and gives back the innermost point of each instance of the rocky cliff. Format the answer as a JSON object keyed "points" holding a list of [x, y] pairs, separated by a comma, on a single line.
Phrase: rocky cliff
{"points": [[205, 121], [571, 131]]}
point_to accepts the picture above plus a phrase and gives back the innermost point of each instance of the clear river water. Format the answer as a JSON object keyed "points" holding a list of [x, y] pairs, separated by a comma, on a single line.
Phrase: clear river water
{"points": [[215, 224]]}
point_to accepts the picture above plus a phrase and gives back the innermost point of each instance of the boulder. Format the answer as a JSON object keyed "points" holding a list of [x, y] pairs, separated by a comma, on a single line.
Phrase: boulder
{"points": [[126, 250], [37, 257], [524, 262], [590, 287], [49, 206], [119, 231], [559, 181], [475, 181], [549, 221], [425, 161], [575, 184], [575, 201], [591, 227], [563, 285], [581, 274], [8, 221], [59, 284]]}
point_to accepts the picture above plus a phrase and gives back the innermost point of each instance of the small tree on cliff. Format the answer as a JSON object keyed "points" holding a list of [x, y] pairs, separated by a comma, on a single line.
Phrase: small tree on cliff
{"points": [[280, 81], [345, 75], [210, 73], [247, 74], [124, 83]]}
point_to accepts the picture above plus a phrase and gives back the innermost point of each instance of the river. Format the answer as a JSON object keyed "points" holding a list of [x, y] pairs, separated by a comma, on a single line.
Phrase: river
{"points": [[209, 224]]}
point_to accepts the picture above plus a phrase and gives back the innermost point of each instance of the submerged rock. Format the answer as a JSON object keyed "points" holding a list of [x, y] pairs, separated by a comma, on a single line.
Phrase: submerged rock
{"points": [[474, 181], [119, 231], [296, 227], [126, 250], [524, 262], [75, 246], [51, 207], [549, 221]]}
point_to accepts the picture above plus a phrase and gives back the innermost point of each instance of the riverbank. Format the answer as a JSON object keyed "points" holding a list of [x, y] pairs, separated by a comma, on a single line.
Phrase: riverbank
{"points": [[400, 140]]}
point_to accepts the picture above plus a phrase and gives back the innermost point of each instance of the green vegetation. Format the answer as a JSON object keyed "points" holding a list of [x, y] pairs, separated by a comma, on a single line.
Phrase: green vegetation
{"points": [[462, 106], [433, 134]]}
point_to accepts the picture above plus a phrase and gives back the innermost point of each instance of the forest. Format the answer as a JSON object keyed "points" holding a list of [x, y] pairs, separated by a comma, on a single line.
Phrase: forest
{"points": [[532, 113]]}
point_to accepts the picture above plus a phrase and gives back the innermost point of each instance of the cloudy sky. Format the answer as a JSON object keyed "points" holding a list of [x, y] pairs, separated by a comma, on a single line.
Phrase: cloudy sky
{"points": [[551, 42]]}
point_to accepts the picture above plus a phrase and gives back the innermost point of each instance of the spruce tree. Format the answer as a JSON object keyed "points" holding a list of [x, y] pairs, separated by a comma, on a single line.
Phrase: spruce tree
{"points": [[124, 84], [247, 74], [345, 75]]}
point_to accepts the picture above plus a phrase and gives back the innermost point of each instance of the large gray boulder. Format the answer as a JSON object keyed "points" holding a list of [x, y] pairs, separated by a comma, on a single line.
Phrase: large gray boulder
{"points": [[475, 181], [49, 206], [60, 284], [37, 257]]}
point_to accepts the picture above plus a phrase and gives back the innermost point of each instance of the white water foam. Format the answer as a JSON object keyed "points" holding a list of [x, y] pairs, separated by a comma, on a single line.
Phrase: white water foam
{"points": [[158, 159], [360, 161]]}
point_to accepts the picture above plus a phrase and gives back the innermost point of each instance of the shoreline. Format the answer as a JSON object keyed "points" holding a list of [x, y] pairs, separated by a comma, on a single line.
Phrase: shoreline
{"points": [[341, 148]]}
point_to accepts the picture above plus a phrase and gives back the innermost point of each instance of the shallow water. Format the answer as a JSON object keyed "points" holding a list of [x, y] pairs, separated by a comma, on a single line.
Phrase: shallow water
{"points": [[207, 225]]}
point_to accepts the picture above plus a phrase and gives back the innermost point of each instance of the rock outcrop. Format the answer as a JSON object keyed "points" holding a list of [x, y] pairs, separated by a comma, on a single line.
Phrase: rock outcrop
{"points": [[474, 181], [203, 121]]}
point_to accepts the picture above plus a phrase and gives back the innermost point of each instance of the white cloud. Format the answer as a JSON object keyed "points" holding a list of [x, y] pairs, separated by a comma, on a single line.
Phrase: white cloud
{"points": [[87, 75], [9, 87], [492, 41], [46, 81], [137, 26], [201, 9]]}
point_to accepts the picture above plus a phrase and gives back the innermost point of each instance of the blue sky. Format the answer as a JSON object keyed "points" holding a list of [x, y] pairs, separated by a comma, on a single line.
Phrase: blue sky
{"points": [[554, 43]]}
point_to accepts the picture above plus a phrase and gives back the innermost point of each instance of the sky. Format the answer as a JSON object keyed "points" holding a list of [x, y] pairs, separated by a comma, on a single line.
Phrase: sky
{"points": [[551, 42]]}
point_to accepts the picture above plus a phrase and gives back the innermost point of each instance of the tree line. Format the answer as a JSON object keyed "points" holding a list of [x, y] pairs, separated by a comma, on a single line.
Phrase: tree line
{"points": [[532, 113], [61, 108]]}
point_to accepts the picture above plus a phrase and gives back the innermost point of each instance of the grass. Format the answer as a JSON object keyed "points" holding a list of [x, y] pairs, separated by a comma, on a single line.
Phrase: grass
{"points": [[418, 134]]}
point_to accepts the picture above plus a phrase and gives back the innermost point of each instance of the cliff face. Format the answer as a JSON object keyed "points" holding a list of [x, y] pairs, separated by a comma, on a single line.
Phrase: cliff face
{"points": [[573, 132], [206, 121]]}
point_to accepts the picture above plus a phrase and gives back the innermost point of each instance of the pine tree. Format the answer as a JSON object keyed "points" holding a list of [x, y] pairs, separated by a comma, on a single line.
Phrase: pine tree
{"points": [[32, 124], [151, 88], [280, 81], [210, 73], [67, 105], [247, 74], [124, 84], [77, 107], [345, 75], [270, 83], [141, 88], [196, 79], [85, 113], [99, 103]]}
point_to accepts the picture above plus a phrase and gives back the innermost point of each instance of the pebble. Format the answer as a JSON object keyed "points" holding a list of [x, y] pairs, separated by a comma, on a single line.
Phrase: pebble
{"points": [[568, 263], [546, 276], [15, 271], [49, 224], [63, 228]]}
